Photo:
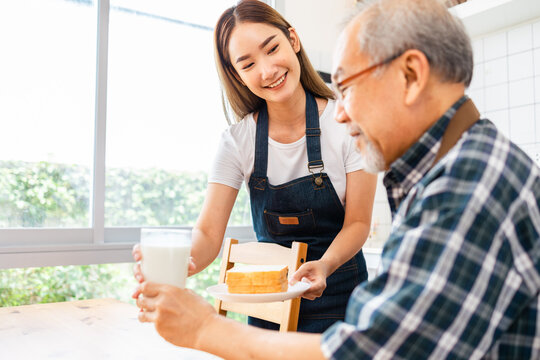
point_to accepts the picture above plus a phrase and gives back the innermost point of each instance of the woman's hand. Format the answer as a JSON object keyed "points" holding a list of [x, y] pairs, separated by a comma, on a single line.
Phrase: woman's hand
{"points": [[137, 256], [179, 315], [316, 273]]}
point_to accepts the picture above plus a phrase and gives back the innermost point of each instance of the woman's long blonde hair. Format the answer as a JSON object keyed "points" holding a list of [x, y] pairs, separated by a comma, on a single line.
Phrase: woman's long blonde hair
{"points": [[237, 98]]}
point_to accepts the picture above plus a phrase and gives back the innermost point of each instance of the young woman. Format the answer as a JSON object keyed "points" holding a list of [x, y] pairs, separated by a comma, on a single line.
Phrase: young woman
{"points": [[301, 167]]}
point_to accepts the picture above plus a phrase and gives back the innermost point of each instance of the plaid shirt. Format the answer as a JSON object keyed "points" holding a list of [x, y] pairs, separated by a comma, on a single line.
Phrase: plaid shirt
{"points": [[460, 272]]}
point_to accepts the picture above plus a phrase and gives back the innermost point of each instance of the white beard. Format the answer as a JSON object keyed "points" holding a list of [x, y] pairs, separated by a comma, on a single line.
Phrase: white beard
{"points": [[373, 158]]}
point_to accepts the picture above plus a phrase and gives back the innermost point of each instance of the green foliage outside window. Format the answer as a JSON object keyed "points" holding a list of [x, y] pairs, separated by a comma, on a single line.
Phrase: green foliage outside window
{"points": [[65, 283], [43, 194], [57, 195]]}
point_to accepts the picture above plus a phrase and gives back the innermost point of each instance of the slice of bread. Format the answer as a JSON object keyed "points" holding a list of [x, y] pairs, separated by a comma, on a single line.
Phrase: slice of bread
{"points": [[257, 279]]}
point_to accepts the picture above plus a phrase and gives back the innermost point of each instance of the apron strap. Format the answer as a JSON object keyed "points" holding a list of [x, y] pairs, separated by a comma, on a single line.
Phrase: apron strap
{"points": [[261, 144], [313, 134], [463, 119]]}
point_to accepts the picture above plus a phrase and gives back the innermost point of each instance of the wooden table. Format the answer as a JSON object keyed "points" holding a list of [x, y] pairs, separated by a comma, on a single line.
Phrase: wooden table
{"points": [[88, 329]]}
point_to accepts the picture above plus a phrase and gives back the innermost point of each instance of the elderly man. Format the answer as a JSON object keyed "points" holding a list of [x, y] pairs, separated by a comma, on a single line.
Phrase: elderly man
{"points": [[461, 268]]}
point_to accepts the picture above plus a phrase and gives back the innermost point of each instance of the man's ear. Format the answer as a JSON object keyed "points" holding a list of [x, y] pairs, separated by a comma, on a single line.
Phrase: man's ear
{"points": [[294, 39], [416, 71]]}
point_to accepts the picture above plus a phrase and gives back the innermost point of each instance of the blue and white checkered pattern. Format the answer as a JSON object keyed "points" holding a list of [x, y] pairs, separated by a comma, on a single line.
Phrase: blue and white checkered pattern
{"points": [[461, 268]]}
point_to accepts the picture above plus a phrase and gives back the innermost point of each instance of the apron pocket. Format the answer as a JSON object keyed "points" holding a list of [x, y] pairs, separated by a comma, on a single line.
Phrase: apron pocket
{"points": [[289, 223]]}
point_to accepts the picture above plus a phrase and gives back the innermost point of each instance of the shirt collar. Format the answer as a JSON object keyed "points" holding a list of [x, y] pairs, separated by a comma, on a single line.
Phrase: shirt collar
{"points": [[407, 170]]}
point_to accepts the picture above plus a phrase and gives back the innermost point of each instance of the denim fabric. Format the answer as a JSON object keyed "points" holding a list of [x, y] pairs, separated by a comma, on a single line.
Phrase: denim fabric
{"points": [[318, 215]]}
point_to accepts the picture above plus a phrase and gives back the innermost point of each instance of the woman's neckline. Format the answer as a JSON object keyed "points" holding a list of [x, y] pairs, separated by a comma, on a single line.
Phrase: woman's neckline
{"points": [[322, 113]]}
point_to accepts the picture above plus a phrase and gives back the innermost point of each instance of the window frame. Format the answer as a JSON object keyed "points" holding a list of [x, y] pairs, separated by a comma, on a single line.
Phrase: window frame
{"points": [[97, 244]]}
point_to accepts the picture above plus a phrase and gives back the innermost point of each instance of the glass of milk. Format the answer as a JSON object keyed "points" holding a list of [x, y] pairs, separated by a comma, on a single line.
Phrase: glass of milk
{"points": [[165, 255]]}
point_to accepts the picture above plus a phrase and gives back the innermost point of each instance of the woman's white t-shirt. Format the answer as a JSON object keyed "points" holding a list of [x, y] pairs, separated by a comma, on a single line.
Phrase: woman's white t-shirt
{"points": [[236, 153]]}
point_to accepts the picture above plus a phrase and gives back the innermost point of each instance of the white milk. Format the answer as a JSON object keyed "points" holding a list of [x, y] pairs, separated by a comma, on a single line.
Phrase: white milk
{"points": [[165, 255], [166, 264]]}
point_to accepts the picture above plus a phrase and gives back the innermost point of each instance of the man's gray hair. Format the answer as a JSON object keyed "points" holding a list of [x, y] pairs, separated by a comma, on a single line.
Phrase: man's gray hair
{"points": [[390, 27]]}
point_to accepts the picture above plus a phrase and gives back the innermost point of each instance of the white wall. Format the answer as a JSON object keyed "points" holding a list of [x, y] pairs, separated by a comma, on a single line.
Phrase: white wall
{"points": [[318, 23], [506, 82]]}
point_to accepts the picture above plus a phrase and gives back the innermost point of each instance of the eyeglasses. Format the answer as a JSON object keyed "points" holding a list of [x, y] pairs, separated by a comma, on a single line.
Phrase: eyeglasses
{"points": [[338, 87]]}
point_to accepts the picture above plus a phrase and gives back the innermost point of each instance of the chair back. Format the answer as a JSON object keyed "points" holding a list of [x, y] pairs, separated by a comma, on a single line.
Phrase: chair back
{"points": [[284, 313]]}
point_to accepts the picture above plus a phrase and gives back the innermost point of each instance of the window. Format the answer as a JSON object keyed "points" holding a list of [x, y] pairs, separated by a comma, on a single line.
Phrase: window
{"points": [[164, 113], [47, 110], [97, 141]]}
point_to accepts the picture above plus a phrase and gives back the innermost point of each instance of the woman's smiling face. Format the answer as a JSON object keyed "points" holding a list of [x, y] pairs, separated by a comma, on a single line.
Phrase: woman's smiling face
{"points": [[266, 60]]}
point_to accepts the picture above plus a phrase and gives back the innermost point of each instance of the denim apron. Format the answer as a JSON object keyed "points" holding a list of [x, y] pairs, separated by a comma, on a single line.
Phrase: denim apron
{"points": [[307, 210]]}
